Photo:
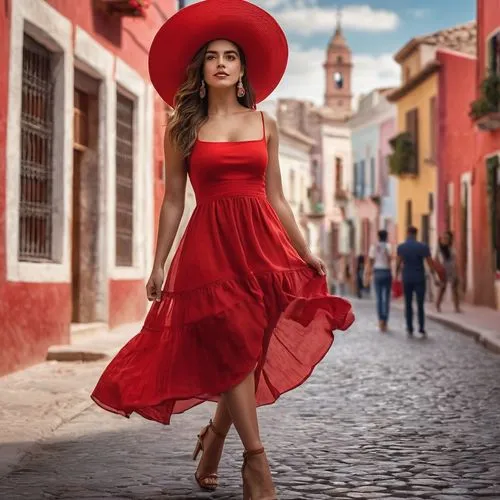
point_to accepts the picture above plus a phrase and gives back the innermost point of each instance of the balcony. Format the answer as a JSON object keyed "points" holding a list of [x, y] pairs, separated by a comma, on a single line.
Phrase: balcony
{"points": [[403, 160], [486, 109]]}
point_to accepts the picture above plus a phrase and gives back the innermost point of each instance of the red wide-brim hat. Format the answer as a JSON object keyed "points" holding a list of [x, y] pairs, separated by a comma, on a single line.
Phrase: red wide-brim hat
{"points": [[253, 29]]}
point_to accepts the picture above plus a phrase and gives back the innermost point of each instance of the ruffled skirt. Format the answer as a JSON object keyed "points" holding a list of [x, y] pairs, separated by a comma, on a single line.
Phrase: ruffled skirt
{"points": [[237, 299]]}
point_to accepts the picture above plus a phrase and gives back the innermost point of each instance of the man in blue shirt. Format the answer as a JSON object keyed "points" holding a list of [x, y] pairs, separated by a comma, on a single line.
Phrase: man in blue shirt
{"points": [[411, 255]]}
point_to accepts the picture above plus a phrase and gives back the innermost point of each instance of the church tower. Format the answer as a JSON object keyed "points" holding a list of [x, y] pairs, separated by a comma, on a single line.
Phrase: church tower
{"points": [[338, 69]]}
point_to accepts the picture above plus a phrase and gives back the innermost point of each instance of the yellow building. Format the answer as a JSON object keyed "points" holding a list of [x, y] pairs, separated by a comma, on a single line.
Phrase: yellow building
{"points": [[416, 102]]}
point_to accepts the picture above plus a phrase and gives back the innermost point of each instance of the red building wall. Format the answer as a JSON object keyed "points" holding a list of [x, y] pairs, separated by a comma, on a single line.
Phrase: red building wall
{"points": [[34, 316], [486, 143], [456, 152]]}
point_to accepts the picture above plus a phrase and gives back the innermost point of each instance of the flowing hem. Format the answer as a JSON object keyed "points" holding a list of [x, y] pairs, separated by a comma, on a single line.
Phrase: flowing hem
{"points": [[283, 340]]}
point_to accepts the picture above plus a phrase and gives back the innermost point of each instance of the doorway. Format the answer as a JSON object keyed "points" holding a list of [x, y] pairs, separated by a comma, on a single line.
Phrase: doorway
{"points": [[85, 209]]}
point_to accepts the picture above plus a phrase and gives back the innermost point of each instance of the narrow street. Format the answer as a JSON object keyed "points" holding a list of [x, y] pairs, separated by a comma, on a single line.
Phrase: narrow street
{"points": [[384, 416]]}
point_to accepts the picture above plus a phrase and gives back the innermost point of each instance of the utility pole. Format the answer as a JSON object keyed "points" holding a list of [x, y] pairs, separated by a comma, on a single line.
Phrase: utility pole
{"points": [[182, 4]]}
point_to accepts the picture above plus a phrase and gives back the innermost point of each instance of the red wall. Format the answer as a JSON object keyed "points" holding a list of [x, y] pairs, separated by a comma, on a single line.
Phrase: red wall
{"points": [[35, 316], [488, 17], [456, 129]]}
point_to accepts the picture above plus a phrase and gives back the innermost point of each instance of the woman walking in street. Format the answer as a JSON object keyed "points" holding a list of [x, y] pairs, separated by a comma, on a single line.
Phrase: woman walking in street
{"points": [[379, 264], [446, 260], [244, 315]]}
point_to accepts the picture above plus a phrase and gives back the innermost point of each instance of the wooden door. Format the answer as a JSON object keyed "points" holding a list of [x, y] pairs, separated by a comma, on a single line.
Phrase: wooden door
{"points": [[84, 268]]}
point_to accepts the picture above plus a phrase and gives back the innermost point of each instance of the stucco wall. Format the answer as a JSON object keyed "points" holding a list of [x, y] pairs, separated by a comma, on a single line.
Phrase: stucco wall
{"points": [[36, 315], [417, 188]]}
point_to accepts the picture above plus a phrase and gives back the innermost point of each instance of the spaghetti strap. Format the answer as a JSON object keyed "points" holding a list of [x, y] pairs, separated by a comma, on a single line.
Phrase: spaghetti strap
{"points": [[263, 126]]}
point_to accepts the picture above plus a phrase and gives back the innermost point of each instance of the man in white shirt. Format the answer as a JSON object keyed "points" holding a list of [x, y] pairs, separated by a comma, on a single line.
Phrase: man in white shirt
{"points": [[379, 262]]}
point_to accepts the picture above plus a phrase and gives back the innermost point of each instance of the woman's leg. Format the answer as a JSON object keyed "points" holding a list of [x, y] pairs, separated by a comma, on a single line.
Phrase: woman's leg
{"points": [[440, 295], [240, 401], [214, 444]]}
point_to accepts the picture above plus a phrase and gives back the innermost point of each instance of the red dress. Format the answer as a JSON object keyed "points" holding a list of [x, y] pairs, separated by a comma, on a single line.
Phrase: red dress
{"points": [[237, 298]]}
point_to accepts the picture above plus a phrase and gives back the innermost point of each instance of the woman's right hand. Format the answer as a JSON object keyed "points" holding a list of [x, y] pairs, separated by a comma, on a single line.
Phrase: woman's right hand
{"points": [[154, 284]]}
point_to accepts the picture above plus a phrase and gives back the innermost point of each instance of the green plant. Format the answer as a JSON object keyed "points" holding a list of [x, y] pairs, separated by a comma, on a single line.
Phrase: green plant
{"points": [[489, 99], [403, 156]]}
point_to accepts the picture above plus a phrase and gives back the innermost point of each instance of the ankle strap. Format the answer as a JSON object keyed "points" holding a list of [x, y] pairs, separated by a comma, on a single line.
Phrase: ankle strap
{"points": [[251, 453], [215, 431]]}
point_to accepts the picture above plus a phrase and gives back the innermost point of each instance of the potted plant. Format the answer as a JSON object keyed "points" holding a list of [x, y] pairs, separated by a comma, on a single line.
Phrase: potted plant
{"points": [[133, 8], [402, 159], [486, 109]]}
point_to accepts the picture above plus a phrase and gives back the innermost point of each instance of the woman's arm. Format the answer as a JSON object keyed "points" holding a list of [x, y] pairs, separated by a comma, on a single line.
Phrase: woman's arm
{"points": [[171, 212], [274, 189], [172, 206]]}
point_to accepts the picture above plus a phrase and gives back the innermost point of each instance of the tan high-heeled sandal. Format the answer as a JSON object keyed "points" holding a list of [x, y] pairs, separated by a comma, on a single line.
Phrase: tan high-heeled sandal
{"points": [[207, 482], [246, 488]]}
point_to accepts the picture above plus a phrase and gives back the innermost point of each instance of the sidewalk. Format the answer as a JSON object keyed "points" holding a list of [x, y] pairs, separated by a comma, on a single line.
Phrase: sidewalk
{"points": [[480, 323], [36, 401]]}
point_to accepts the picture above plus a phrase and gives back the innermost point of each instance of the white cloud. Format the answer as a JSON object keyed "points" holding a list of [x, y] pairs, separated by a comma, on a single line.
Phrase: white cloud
{"points": [[305, 17], [311, 19], [305, 76]]}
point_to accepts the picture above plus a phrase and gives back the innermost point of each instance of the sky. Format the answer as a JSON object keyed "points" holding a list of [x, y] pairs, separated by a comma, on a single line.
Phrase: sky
{"points": [[375, 30]]}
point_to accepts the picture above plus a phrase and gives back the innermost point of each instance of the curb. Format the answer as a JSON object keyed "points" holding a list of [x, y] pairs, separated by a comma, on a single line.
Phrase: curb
{"points": [[479, 335], [66, 354]]}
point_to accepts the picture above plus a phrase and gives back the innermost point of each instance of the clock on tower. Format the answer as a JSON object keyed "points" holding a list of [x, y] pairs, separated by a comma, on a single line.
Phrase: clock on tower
{"points": [[338, 68]]}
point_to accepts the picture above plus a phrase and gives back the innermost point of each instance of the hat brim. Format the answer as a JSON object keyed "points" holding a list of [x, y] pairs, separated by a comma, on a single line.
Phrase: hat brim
{"points": [[253, 29]]}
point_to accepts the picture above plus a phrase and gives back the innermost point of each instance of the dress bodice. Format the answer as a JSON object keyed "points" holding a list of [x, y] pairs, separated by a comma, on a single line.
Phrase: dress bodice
{"points": [[220, 169]]}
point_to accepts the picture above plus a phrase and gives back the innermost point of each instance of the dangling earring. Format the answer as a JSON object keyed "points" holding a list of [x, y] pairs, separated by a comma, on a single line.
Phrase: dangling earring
{"points": [[241, 89], [203, 90]]}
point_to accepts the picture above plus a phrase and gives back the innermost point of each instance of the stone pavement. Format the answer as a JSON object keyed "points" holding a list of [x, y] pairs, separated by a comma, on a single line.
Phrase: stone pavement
{"points": [[35, 401], [480, 323], [384, 416]]}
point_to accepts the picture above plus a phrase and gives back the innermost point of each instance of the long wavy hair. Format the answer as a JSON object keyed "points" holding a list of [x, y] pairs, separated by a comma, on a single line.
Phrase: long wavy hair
{"points": [[191, 111]]}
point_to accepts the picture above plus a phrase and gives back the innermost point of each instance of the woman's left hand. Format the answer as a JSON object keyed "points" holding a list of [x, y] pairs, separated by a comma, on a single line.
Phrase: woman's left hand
{"points": [[316, 263]]}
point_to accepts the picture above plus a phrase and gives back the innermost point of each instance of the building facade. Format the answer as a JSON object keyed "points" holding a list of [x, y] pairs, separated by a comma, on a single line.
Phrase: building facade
{"points": [[82, 175], [456, 157], [417, 123], [372, 188], [326, 213], [485, 175]]}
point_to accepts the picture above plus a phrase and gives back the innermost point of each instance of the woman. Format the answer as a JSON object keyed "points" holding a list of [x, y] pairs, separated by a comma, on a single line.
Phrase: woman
{"points": [[446, 260], [244, 314], [379, 263]]}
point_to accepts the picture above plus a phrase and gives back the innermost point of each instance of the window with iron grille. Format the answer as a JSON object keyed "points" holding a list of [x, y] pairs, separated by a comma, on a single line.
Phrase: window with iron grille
{"points": [[124, 180], [37, 169]]}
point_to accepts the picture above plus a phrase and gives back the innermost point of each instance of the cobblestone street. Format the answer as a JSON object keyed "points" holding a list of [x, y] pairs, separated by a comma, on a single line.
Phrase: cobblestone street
{"points": [[384, 416]]}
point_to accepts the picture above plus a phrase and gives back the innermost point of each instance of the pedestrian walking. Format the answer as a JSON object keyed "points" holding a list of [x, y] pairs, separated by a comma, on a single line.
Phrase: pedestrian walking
{"points": [[379, 268], [412, 255], [446, 261], [244, 314], [360, 276]]}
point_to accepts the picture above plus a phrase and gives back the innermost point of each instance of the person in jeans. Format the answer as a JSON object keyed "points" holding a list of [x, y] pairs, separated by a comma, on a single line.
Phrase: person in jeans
{"points": [[411, 255], [379, 260]]}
